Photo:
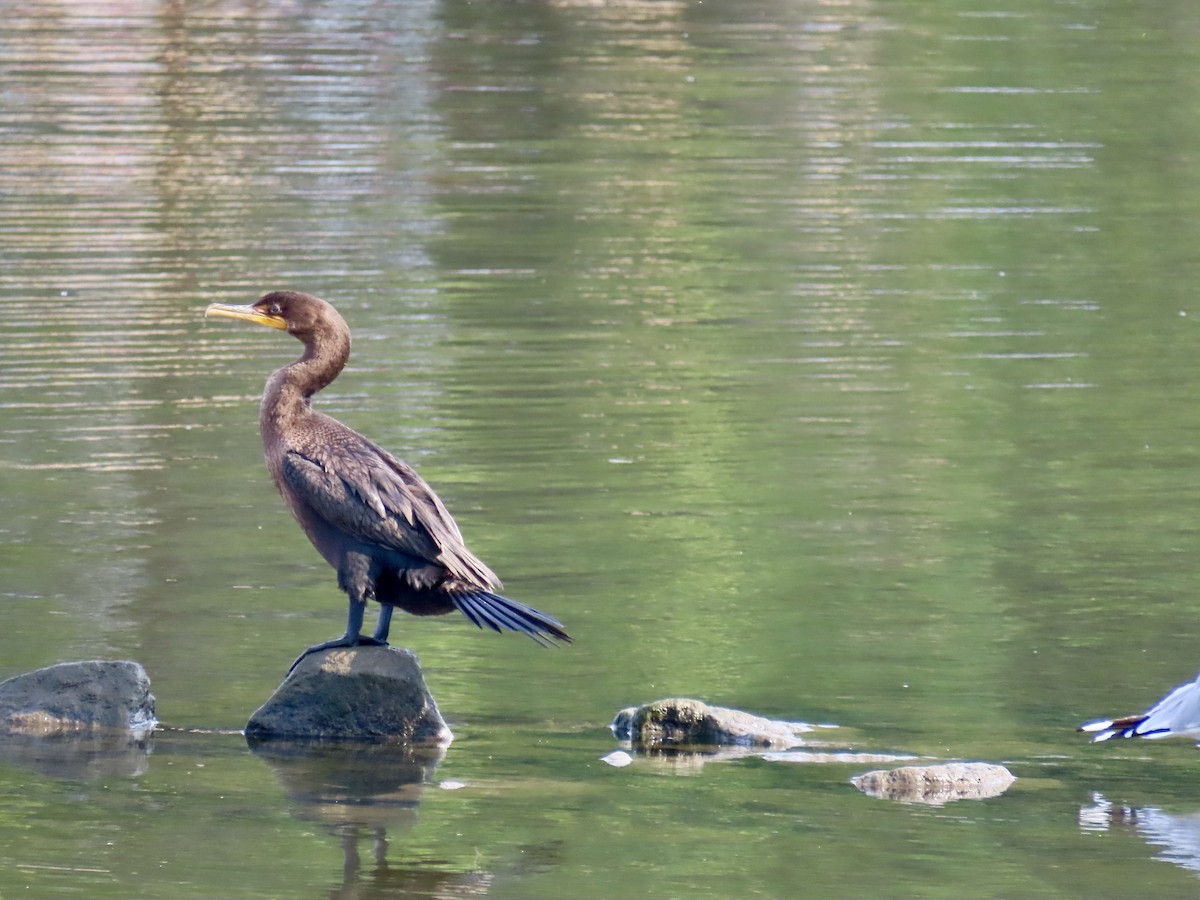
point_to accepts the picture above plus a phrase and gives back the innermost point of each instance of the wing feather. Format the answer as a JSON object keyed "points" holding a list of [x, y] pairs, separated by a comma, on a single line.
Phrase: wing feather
{"points": [[370, 496]]}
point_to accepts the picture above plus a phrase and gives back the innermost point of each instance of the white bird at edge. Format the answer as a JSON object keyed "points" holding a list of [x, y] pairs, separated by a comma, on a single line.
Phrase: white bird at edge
{"points": [[1175, 715]]}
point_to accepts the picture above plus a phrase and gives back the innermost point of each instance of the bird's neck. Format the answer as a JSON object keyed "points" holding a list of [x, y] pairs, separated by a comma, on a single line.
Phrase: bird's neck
{"points": [[289, 390]]}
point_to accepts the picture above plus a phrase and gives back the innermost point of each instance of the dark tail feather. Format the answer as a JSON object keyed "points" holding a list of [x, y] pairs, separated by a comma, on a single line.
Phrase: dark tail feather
{"points": [[488, 610]]}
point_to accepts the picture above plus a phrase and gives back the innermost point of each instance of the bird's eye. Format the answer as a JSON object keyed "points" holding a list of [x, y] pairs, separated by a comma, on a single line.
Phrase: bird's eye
{"points": [[276, 309]]}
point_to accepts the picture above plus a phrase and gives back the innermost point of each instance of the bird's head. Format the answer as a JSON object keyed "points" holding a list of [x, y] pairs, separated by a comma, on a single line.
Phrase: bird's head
{"points": [[301, 315]]}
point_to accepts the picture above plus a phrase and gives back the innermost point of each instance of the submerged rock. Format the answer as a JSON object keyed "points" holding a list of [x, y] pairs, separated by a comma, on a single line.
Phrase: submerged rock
{"points": [[92, 695], [937, 784], [353, 693], [680, 723]]}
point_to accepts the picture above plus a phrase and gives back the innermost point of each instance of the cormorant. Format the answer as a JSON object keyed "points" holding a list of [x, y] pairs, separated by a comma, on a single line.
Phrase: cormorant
{"points": [[372, 517]]}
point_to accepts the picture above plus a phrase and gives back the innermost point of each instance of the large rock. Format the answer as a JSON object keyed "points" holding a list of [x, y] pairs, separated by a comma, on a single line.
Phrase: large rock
{"points": [[84, 696], [680, 723], [353, 693], [937, 784]]}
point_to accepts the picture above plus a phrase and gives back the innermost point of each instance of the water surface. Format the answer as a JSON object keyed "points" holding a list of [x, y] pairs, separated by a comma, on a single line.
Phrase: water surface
{"points": [[832, 361]]}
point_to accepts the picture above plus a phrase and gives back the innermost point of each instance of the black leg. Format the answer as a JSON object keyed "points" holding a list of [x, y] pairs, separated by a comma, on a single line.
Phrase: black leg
{"points": [[384, 623], [354, 620]]}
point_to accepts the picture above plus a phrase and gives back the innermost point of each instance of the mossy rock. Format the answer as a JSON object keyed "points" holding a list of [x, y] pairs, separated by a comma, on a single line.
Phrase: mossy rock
{"points": [[679, 723]]}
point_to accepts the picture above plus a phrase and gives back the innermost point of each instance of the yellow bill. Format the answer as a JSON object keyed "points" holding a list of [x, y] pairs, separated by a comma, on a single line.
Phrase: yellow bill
{"points": [[245, 313]]}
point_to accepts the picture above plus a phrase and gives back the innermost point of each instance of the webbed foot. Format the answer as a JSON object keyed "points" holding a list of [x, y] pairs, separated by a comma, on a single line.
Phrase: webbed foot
{"points": [[358, 640]]}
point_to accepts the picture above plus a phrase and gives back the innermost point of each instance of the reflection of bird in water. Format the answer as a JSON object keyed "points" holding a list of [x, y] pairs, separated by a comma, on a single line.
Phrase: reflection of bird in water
{"points": [[1177, 833], [371, 516], [1175, 715]]}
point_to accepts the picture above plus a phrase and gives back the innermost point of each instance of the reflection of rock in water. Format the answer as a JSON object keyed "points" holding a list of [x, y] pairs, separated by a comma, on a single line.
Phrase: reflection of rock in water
{"points": [[79, 756], [1177, 833], [358, 791], [341, 783]]}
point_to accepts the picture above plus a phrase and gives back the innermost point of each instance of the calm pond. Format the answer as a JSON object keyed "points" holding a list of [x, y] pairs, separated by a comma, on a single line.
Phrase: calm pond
{"points": [[835, 361]]}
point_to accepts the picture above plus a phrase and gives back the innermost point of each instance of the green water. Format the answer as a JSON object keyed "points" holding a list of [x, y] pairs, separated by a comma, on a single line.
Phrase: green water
{"points": [[833, 361]]}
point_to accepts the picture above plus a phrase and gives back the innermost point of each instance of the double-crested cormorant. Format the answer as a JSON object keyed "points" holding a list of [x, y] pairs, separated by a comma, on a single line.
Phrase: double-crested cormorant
{"points": [[370, 515]]}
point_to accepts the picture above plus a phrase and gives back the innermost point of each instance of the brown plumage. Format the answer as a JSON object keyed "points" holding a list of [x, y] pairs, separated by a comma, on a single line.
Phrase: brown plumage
{"points": [[372, 517]]}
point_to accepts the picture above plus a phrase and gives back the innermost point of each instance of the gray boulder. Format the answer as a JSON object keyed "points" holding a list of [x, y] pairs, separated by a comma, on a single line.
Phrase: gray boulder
{"points": [[353, 693], [678, 723], [93, 695], [937, 784]]}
